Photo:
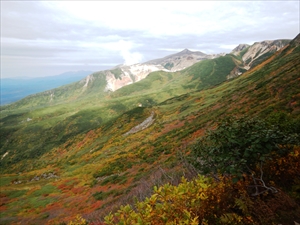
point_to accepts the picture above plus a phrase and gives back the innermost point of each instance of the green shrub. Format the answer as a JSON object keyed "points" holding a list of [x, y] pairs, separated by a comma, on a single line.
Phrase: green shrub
{"points": [[238, 146]]}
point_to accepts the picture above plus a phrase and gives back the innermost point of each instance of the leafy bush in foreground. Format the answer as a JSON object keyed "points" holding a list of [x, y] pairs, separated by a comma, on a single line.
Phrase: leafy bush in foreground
{"points": [[188, 203], [239, 146], [207, 201]]}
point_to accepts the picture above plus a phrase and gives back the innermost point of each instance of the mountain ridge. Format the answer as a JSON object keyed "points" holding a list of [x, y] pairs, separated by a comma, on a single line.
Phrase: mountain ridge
{"points": [[123, 75], [259, 51], [181, 60]]}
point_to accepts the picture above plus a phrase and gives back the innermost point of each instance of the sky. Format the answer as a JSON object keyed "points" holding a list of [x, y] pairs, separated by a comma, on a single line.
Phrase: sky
{"points": [[45, 38]]}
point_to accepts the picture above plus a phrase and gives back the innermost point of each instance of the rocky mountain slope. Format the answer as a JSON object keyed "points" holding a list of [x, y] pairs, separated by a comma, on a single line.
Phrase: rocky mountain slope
{"points": [[182, 60], [250, 55], [258, 52], [125, 75], [129, 74]]}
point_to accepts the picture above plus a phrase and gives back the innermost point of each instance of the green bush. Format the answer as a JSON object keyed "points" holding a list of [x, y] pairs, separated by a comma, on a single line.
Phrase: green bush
{"points": [[239, 146]]}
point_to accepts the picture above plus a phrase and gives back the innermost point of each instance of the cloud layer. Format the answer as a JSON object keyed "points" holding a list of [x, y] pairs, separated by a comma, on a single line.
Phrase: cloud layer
{"points": [[40, 38]]}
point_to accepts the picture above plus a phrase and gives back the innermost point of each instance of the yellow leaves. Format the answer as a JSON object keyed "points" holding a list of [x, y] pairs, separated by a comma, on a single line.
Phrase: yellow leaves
{"points": [[109, 219], [78, 221], [231, 218], [168, 205], [202, 196], [200, 201], [241, 205], [194, 221]]}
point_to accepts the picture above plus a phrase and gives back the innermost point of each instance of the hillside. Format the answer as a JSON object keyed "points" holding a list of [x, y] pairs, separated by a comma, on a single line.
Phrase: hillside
{"points": [[91, 155], [101, 84], [46, 127]]}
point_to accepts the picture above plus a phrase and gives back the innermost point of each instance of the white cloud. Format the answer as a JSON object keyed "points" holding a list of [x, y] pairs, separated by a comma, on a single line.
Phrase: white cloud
{"points": [[37, 33], [124, 48], [171, 49], [228, 47], [152, 18]]}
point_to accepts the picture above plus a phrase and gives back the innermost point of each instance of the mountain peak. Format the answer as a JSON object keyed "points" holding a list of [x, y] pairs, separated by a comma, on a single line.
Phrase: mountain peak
{"points": [[186, 51], [239, 48], [296, 41]]}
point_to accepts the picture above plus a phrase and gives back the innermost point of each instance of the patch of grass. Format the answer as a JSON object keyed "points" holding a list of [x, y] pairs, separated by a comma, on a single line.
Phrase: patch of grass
{"points": [[44, 191], [117, 73], [114, 179], [261, 58], [103, 195], [6, 180], [37, 202], [169, 66], [15, 193]]}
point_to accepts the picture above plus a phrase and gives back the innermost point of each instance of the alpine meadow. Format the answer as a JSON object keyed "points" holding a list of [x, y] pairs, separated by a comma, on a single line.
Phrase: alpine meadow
{"points": [[190, 138]]}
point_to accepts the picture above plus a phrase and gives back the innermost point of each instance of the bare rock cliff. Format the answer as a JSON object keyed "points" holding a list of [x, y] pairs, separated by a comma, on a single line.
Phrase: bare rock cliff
{"points": [[129, 75], [259, 49]]}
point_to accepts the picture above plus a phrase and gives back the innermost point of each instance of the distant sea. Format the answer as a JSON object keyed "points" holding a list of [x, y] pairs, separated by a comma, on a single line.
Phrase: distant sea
{"points": [[14, 89]]}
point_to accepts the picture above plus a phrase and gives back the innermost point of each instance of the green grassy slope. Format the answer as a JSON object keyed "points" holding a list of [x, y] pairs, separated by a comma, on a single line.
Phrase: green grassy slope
{"points": [[63, 95], [49, 126], [98, 166], [212, 72]]}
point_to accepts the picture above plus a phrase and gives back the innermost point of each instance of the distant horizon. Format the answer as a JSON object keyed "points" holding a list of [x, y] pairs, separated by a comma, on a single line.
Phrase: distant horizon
{"points": [[14, 89], [171, 50], [174, 51], [28, 77]]}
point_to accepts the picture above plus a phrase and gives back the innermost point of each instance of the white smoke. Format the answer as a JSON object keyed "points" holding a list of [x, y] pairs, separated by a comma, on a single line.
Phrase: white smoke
{"points": [[129, 57]]}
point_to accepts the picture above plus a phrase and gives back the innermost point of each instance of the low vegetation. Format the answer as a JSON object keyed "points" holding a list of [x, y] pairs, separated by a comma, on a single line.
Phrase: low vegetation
{"points": [[248, 164], [236, 192]]}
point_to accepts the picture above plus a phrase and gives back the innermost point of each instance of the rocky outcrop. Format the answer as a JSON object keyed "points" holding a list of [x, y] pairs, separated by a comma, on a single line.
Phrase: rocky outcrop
{"points": [[296, 41], [259, 49], [5, 154], [234, 73], [87, 80], [258, 52], [123, 75], [49, 175], [237, 50], [114, 83], [146, 123], [129, 75], [17, 182]]}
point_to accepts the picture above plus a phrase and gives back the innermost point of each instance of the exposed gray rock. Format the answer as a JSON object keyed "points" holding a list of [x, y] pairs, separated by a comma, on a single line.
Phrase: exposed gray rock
{"points": [[17, 182], [239, 48], [146, 123], [44, 176], [257, 50]]}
